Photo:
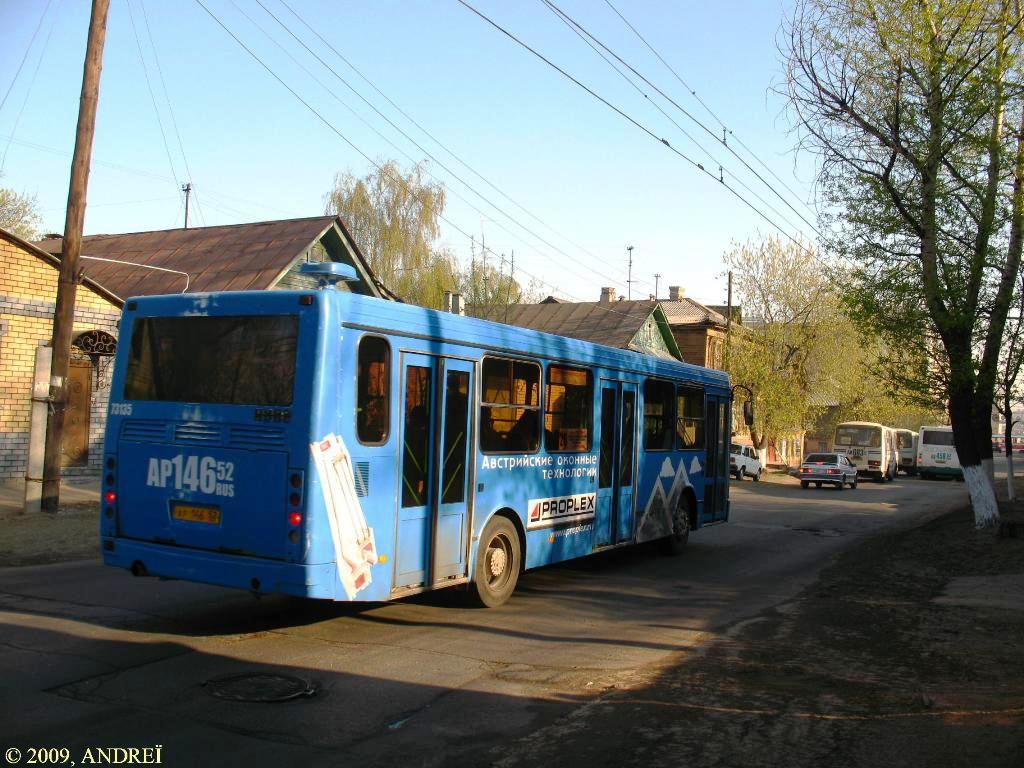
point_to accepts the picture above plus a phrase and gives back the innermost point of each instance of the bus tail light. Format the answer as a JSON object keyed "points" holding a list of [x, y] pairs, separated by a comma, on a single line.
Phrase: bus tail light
{"points": [[110, 497], [295, 518]]}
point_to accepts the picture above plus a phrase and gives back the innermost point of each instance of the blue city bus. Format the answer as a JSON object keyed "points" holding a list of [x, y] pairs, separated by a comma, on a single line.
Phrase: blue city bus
{"points": [[331, 445]]}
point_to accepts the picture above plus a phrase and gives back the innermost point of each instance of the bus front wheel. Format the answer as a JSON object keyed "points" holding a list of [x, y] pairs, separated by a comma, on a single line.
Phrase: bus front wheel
{"points": [[498, 562]]}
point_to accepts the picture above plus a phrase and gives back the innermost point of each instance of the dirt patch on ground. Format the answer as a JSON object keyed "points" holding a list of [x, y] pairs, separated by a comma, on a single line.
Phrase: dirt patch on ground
{"points": [[862, 669], [39, 539]]}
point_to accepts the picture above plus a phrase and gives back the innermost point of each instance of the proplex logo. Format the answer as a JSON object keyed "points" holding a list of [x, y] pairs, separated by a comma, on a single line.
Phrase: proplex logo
{"points": [[561, 509]]}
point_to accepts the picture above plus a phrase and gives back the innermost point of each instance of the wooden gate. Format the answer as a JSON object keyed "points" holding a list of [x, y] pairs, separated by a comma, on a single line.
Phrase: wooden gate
{"points": [[75, 445]]}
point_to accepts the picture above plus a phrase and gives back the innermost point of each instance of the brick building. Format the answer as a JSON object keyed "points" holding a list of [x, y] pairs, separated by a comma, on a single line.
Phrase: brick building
{"points": [[257, 256], [28, 289]]}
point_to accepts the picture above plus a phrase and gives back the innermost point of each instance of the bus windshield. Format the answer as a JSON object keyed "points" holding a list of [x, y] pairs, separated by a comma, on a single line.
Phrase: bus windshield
{"points": [[903, 440], [869, 437], [239, 360]]}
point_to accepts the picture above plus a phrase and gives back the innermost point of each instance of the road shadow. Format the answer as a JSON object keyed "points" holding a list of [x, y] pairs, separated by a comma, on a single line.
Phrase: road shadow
{"points": [[64, 689]]}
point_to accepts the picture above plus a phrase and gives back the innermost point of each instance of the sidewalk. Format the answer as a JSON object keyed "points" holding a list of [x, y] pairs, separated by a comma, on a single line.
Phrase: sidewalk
{"points": [[906, 652], [71, 534]]}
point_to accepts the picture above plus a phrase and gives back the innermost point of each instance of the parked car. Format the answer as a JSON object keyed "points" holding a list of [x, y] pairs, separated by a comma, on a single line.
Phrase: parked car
{"points": [[743, 461], [831, 468]]}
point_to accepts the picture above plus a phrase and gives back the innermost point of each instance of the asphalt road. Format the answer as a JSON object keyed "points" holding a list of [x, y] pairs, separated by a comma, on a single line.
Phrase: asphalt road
{"points": [[92, 657]]}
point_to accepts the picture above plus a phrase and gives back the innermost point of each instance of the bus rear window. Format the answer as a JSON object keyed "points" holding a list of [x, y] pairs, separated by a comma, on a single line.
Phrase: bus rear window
{"points": [[870, 437], [239, 360], [937, 437]]}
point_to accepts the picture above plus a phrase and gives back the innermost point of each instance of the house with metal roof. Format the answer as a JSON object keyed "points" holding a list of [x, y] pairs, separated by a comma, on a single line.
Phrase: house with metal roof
{"points": [[637, 325], [263, 255]]}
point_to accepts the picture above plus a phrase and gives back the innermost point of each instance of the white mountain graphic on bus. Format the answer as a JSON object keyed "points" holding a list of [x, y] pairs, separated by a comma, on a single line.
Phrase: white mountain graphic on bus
{"points": [[656, 520]]}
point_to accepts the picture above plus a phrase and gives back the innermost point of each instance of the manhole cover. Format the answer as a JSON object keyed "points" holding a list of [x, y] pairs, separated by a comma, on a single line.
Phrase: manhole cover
{"points": [[259, 687]]}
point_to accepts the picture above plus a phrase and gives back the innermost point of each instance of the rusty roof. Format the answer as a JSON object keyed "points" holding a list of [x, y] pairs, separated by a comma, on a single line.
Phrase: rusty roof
{"points": [[234, 257], [613, 324], [687, 311]]}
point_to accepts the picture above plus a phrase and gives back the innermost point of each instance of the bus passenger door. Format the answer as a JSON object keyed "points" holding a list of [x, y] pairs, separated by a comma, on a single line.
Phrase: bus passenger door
{"points": [[451, 517], [416, 470], [627, 462], [616, 463], [716, 458]]}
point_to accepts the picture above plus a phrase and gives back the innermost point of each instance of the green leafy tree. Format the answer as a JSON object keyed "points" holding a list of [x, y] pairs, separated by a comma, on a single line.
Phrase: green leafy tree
{"points": [[19, 214], [394, 216], [786, 350], [907, 105]]}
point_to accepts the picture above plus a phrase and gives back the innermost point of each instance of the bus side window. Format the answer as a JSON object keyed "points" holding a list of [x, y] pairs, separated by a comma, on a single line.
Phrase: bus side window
{"points": [[659, 416], [690, 421], [373, 417], [568, 409], [510, 406]]}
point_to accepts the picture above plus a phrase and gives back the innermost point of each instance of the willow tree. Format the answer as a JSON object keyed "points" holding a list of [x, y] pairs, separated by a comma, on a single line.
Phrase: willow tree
{"points": [[907, 105], [394, 216]]}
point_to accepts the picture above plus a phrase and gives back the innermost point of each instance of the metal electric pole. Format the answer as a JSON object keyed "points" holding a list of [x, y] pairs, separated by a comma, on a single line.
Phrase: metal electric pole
{"points": [[187, 189], [728, 321], [629, 276], [657, 278], [67, 283]]}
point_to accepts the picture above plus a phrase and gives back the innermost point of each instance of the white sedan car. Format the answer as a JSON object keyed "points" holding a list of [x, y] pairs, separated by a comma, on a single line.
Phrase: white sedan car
{"points": [[743, 461]]}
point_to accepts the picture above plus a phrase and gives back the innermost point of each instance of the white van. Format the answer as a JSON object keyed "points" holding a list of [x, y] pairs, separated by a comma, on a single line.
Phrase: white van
{"points": [[936, 453], [870, 447], [906, 443]]}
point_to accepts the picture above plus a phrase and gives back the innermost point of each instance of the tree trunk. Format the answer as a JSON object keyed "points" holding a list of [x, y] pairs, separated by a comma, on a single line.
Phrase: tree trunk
{"points": [[980, 488]]}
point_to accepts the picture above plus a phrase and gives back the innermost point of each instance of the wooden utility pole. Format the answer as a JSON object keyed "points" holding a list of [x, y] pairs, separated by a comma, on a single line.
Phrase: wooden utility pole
{"points": [[67, 284]]}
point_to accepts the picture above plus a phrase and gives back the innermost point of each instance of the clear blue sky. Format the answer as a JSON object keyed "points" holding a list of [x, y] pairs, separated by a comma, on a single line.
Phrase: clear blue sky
{"points": [[254, 152]]}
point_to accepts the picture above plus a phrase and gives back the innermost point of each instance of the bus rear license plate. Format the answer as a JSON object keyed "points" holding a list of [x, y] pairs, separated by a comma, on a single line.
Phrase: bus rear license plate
{"points": [[196, 514]]}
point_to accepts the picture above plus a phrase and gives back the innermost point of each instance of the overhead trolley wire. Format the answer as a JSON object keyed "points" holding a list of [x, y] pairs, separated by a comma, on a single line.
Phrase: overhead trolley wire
{"points": [[170, 107], [636, 123], [722, 171], [688, 114], [152, 96], [327, 123], [700, 101], [31, 82], [423, 149], [24, 58], [443, 146]]}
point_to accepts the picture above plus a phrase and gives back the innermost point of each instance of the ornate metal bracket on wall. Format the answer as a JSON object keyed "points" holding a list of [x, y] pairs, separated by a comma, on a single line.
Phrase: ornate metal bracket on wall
{"points": [[100, 347]]}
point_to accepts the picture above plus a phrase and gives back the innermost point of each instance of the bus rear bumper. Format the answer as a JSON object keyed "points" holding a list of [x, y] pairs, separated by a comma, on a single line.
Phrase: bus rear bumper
{"points": [[237, 571]]}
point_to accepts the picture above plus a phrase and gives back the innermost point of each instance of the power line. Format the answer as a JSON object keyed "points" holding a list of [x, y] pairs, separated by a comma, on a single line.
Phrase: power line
{"points": [[152, 96], [635, 123], [579, 32], [32, 82], [700, 101], [342, 136], [688, 114], [437, 141], [24, 58], [170, 106], [420, 147]]}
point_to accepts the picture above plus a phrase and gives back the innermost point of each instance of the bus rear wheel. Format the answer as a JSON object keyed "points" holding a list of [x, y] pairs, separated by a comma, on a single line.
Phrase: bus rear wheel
{"points": [[675, 543], [498, 562]]}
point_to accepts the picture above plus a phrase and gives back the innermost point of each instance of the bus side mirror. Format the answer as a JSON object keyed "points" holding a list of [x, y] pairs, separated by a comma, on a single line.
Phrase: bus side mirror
{"points": [[748, 412]]}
